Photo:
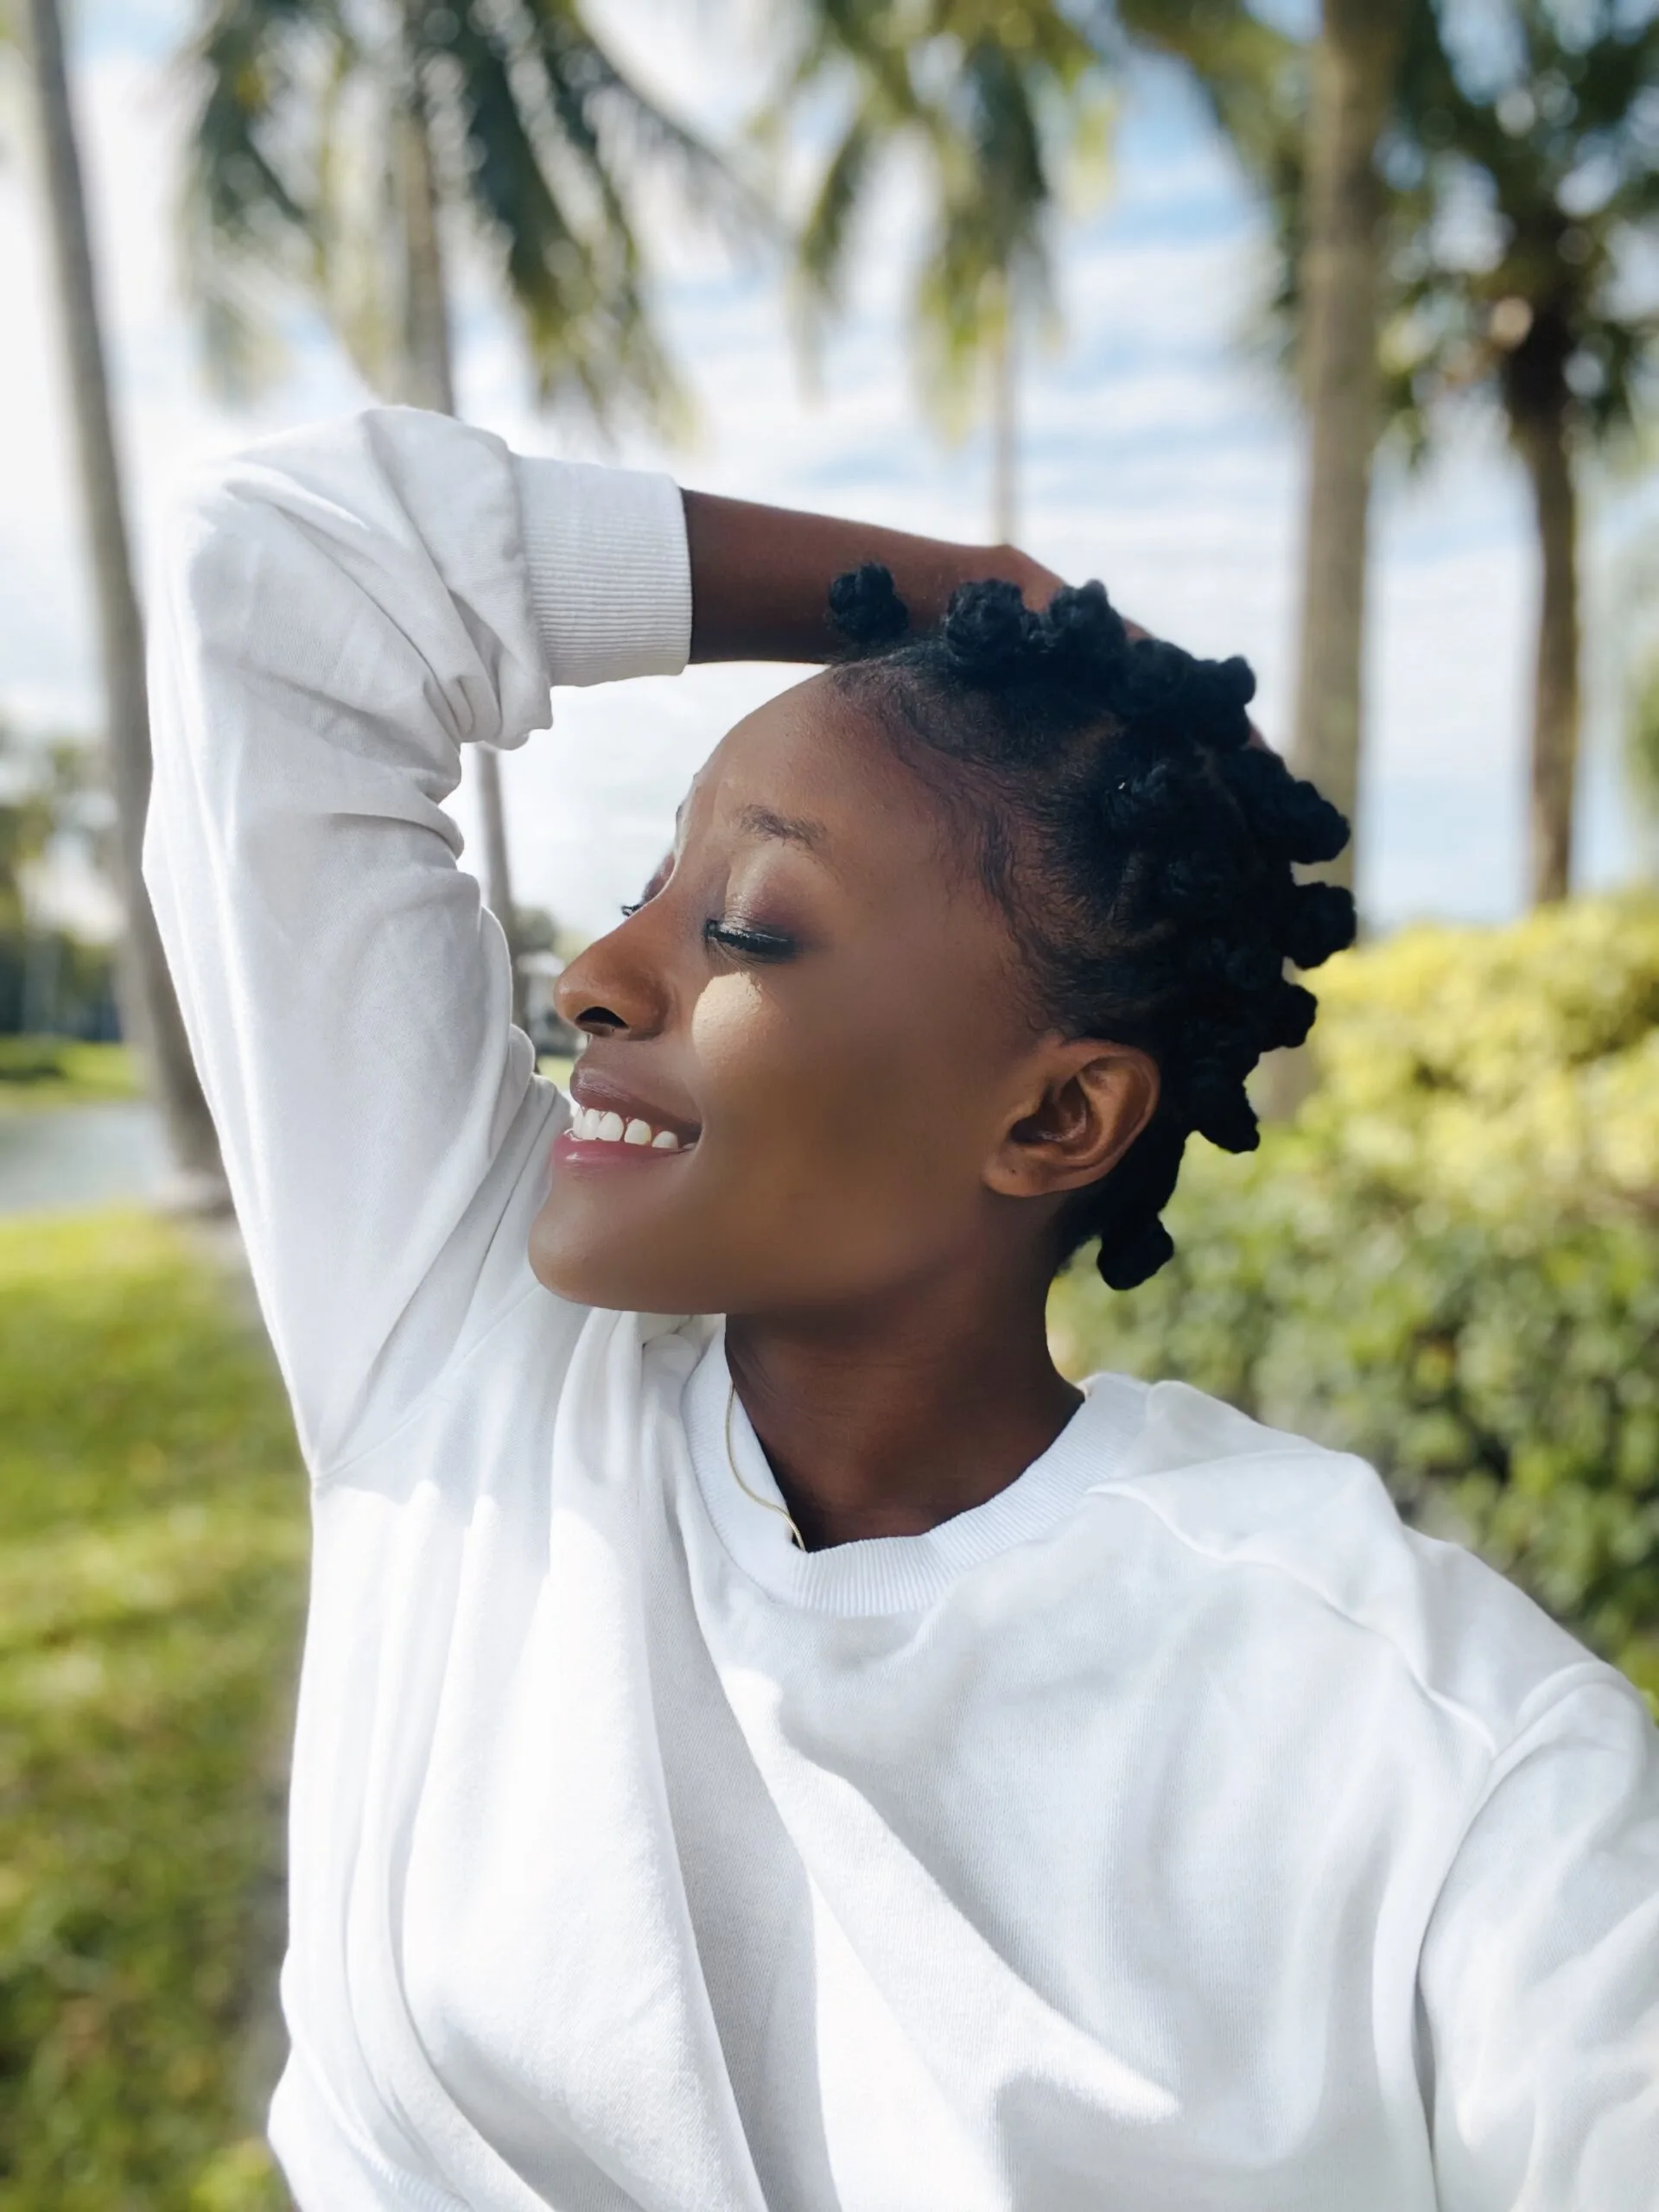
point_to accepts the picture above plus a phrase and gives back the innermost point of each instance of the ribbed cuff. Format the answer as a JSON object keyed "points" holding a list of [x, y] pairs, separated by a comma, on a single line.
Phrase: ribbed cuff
{"points": [[609, 572]]}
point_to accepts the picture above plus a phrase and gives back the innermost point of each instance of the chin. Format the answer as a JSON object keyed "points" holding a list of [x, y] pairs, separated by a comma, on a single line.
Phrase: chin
{"points": [[601, 1271]]}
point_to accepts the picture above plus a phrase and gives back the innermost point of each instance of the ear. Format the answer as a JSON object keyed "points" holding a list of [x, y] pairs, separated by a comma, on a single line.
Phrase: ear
{"points": [[1084, 1104]]}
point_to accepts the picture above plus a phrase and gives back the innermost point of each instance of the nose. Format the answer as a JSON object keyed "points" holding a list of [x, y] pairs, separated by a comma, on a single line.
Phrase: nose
{"points": [[612, 989]]}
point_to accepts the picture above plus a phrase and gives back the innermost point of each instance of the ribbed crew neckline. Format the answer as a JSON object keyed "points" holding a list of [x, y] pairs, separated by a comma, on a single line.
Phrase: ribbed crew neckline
{"points": [[890, 1574]]}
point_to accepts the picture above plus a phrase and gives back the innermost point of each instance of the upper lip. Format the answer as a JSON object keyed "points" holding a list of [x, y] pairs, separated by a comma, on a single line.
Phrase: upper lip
{"points": [[588, 1087]]}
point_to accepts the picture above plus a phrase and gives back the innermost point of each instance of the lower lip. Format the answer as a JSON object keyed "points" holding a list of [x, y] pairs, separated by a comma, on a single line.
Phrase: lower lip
{"points": [[593, 1152]]}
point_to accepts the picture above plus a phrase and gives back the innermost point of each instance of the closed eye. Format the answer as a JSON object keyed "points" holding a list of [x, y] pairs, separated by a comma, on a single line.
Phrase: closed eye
{"points": [[748, 943]]}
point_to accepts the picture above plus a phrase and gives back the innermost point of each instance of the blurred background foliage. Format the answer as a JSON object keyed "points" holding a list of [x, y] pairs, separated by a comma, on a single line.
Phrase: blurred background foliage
{"points": [[53, 979], [1449, 1260], [152, 1548], [42, 1071]]}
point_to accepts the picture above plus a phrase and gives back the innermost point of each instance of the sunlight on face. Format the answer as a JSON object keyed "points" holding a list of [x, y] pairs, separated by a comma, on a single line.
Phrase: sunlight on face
{"points": [[806, 1027]]}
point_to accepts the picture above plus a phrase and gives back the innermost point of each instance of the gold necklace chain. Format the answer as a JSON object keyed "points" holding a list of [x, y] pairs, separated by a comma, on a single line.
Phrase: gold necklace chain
{"points": [[771, 1504]]}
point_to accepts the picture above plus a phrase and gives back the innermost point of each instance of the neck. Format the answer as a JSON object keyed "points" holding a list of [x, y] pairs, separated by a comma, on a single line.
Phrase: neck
{"points": [[885, 1418]]}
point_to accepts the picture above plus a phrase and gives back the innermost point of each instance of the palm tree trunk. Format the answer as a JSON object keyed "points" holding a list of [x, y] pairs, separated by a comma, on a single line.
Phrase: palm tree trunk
{"points": [[149, 1009], [427, 352], [428, 381], [1543, 442], [1005, 427], [1354, 70]]}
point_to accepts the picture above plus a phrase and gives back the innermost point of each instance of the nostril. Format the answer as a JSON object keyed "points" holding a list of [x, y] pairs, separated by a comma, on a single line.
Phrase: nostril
{"points": [[595, 1018]]}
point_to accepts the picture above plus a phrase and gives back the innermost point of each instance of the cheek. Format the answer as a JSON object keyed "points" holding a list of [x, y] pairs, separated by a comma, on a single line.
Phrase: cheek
{"points": [[810, 1092], [844, 1133]]}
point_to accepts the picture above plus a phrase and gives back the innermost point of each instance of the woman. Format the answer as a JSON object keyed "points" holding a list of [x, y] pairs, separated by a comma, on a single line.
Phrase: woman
{"points": [[824, 1759]]}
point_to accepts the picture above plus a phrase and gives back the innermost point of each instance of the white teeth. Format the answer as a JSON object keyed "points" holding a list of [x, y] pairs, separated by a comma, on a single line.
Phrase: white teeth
{"points": [[588, 1125]]}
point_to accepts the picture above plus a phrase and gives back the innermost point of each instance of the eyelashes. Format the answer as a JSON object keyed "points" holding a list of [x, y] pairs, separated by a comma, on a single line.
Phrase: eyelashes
{"points": [[739, 938], [749, 944]]}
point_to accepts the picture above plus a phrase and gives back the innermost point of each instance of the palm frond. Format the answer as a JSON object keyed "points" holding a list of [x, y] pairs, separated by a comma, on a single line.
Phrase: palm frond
{"points": [[245, 210], [292, 115], [566, 250], [994, 96], [826, 232], [1568, 108], [357, 235], [594, 96]]}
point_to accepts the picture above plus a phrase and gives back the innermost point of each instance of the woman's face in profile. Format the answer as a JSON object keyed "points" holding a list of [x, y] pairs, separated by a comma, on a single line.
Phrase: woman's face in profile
{"points": [[814, 1026]]}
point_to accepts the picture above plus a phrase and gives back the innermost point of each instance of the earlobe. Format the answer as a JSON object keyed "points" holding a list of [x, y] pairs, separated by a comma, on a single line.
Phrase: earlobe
{"points": [[1094, 1101]]}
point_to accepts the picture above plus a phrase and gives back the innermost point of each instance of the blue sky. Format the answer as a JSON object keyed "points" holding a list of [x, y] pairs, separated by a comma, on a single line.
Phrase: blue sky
{"points": [[1159, 452]]}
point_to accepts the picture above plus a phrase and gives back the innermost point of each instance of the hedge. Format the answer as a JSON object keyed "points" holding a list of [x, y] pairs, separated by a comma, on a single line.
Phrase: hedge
{"points": [[1449, 1260]]}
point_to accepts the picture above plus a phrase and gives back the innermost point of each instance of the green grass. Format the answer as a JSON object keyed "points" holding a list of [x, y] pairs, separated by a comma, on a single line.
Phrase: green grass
{"points": [[152, 1545], [37, 1071]]}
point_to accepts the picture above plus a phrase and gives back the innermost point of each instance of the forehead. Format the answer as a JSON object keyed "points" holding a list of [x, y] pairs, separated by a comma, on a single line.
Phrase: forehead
{"points": [[920, 943], [812, 769]]}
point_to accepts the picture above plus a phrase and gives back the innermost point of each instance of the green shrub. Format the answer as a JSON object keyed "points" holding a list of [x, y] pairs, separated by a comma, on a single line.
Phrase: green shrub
{"points": [[1450, 1261], [151, 1580]]}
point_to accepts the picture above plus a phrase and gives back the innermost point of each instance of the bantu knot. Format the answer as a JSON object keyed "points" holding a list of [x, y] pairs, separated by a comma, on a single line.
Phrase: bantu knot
{"points": [[1154, 671], [1214, 700], [1129, 1255], [865, 608], [1289, 1017], [1319, 921], [1227, 1118], [1250, 963], [1321, 829], [1293, 820], [989, 633], [1237, 681], [1084, 630]]}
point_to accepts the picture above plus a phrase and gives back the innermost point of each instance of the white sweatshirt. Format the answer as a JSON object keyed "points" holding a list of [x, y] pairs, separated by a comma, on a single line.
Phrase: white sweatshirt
{"points": [[1176, 1832]]}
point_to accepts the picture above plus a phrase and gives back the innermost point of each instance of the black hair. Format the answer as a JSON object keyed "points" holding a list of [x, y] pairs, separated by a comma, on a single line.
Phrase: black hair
{"points": [[1139, 840]]}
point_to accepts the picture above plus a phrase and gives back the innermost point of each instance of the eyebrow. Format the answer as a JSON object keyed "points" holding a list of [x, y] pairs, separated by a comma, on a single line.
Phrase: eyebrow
{"points": [[762, 821]]}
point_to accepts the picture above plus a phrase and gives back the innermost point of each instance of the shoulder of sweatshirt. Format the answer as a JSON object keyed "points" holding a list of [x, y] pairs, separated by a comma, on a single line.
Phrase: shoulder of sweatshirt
{"points": [[1243, 1496]]}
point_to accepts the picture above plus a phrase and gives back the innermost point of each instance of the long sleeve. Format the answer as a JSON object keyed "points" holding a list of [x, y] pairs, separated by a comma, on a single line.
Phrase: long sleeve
{"points": [[341, 609], [1540, 1976]]}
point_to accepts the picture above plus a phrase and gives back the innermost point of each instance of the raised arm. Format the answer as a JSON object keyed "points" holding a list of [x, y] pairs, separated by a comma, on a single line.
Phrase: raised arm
{"points": [[760, 576], [341, 610]]}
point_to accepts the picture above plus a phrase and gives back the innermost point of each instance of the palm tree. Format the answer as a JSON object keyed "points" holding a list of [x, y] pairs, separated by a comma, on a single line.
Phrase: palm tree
{"points": [[997, 100], [1538, 176], [342, 148], [1355, 64], [1003, 101], [148, 1001], [1310, 123]]}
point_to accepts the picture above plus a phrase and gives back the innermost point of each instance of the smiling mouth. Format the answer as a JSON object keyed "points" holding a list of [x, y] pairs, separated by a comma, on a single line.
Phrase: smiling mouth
{"points": [[593, 1125]]}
